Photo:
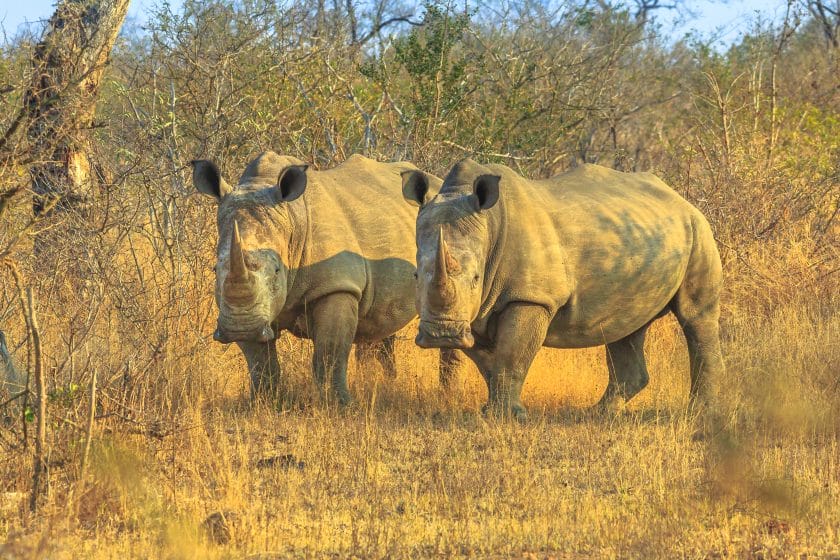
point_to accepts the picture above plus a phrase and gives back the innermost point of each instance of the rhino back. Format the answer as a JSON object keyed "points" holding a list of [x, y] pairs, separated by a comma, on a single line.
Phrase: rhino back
{"points": [[605, 251], [358, 206]]}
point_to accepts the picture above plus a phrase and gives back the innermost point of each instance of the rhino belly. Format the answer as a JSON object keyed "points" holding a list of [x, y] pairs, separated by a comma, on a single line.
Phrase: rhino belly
{"points": [[387, 304], [626, 262], [602, 309]]}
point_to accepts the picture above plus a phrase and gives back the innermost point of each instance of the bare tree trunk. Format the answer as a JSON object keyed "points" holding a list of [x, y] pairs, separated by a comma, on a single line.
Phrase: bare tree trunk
{"points": [[354, 25], [828, 17], [67, 69], [39, 471]]}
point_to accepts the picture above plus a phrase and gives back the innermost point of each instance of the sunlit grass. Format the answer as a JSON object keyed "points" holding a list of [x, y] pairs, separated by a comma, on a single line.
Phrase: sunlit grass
{"points": [[413, 471]]}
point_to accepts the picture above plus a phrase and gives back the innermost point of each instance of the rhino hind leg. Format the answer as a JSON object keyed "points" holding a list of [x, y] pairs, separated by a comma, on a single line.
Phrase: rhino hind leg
{"points": [[263, 367], [697, 308], [702, 335], [628, 373], [451, 362], [386, 356], [332, 323], [384, 353]]}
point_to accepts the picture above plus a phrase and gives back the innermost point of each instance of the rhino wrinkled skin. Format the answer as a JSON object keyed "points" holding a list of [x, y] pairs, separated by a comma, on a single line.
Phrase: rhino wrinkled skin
{"points": [[327, 255], [586, 258]]}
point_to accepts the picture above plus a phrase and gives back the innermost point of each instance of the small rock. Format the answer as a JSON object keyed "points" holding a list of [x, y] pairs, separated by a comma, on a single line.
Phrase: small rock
{"points": [[286, 461], [777, 527], [219, 526]]}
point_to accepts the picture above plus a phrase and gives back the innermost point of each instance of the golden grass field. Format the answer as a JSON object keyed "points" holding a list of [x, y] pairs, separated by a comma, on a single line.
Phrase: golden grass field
{"points": [[411, 471]]}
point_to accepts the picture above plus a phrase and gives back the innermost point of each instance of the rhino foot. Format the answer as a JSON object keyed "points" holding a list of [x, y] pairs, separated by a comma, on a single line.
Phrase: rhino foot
{"points": [[344, 399], [708, 422], [505, 411], [615, 405], [340, 396]]}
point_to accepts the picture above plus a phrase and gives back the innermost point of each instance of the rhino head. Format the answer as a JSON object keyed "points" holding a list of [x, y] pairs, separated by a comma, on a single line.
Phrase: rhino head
{"points": [[256, 229], [453, 244]]}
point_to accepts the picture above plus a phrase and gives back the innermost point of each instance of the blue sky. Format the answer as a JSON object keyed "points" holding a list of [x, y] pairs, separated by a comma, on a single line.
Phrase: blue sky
{"points": [[725, 19]]}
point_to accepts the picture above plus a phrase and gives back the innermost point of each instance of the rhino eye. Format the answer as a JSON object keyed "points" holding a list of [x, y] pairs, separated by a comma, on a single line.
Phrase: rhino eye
{"points": [[414, 274]]}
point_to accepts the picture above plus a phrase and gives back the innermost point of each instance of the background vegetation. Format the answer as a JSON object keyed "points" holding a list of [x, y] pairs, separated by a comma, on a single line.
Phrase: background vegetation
{"points": [[180, 466]]}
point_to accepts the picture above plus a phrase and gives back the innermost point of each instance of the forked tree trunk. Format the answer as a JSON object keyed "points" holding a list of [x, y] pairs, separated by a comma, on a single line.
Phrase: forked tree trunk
{"points": [[67, 69]]}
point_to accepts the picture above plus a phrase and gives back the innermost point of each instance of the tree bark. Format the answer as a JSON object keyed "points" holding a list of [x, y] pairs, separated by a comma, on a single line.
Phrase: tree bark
{"points": [[39, 471], [828, 18], [67, 70]]}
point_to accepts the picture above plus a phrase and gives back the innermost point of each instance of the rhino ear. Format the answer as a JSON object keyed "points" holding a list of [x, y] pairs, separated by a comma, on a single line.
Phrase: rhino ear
{"points": [[415, 187], [290, 183], [208, 180], [486, 190]]}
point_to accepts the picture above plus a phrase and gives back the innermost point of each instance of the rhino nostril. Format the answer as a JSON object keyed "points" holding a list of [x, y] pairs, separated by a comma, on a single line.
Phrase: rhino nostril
{"points": [[266, 334]]}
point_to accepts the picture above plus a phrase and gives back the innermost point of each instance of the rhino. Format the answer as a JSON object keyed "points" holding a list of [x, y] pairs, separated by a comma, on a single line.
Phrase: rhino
{"points": [[589, 257], [327, 255], [12, 380]]}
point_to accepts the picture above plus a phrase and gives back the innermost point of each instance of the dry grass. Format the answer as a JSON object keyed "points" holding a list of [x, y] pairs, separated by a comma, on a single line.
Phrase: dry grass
{"points": [[411, 471]]}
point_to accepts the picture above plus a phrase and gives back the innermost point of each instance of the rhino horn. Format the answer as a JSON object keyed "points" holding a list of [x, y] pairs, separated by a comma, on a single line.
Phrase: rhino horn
{"points": [[238, 270], [441, 275], [239, 279]]}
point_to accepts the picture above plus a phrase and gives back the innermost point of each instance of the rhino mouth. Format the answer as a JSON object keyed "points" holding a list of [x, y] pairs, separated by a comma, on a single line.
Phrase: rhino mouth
{"points": [[444, 334], [226, 336]]}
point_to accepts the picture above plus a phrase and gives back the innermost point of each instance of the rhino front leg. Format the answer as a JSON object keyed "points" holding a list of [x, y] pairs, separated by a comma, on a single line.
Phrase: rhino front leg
{"points": [[333, 320], [263, 367], [627, 368], [519, 335], [451, 362]]}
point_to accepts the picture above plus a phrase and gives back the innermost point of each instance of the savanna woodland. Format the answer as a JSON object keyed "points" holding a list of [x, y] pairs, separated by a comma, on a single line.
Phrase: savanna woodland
{"points": [[128, 432]]}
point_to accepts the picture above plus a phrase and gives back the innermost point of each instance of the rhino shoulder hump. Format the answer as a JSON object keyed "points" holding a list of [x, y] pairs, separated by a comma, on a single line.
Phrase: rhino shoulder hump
{"points": [[358, 158], [265, 168]]}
